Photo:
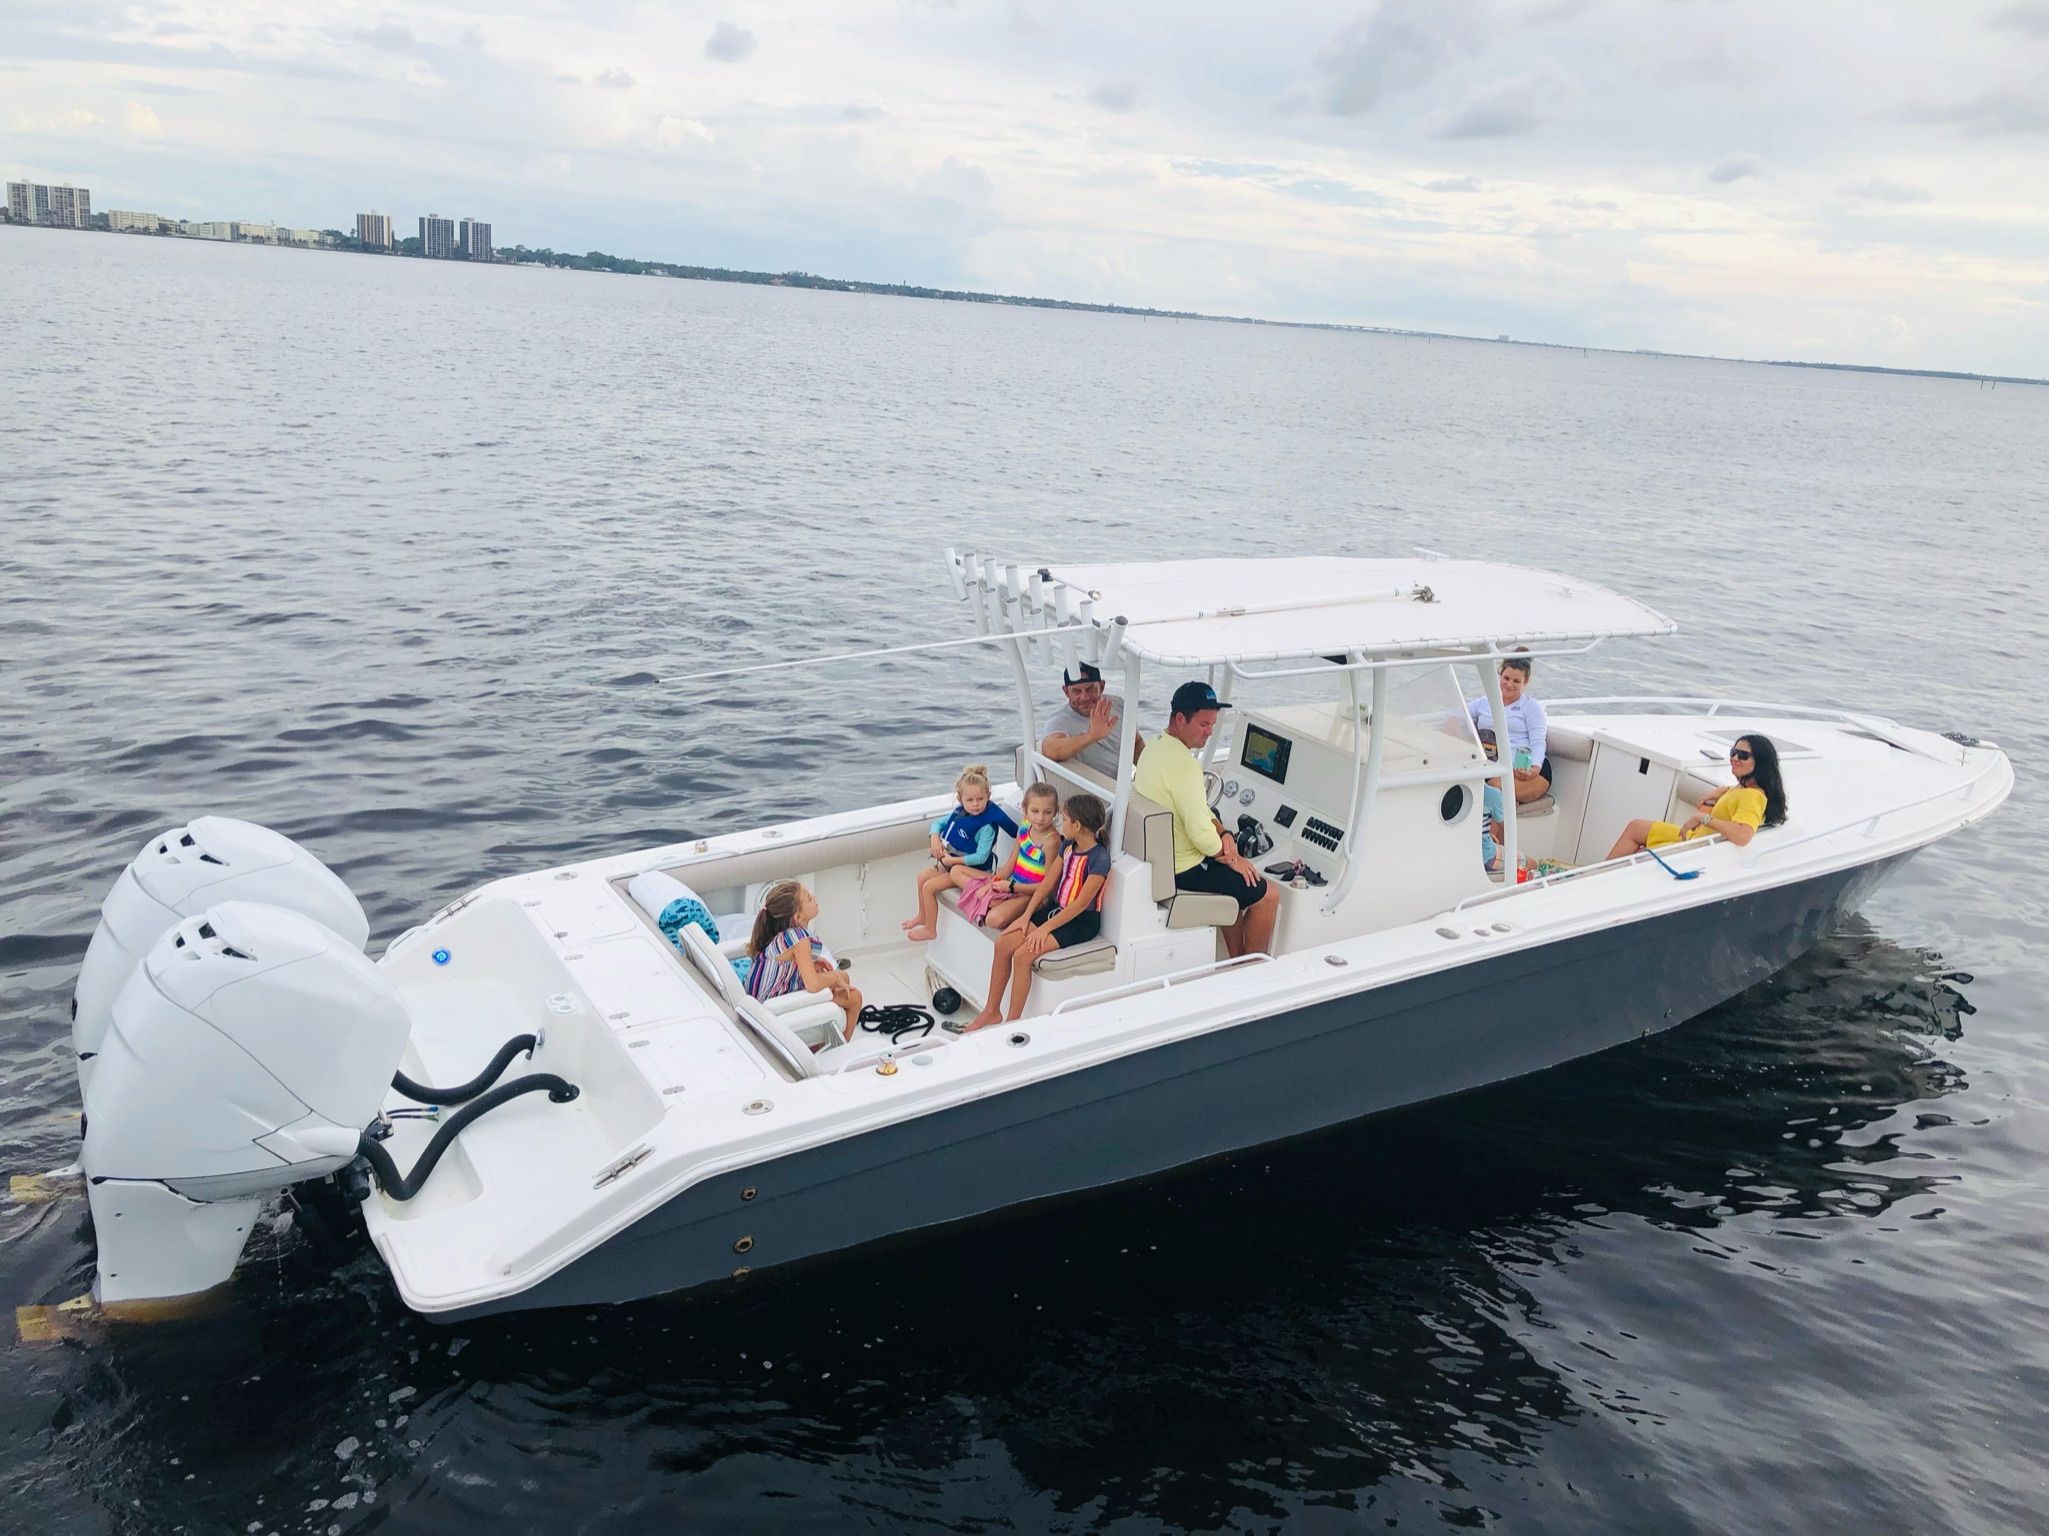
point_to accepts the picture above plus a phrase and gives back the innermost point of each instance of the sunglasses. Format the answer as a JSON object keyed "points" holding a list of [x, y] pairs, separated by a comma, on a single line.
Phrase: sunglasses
{"points": [[1738, 755]]}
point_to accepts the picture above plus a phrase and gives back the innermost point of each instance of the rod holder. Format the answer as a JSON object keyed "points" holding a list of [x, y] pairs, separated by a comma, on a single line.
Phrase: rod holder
{"points": [[1113, 641]]}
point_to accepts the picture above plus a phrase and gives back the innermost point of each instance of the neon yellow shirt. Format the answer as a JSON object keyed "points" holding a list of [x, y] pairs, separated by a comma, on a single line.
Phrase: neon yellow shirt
{"points": [[1168, 774]]}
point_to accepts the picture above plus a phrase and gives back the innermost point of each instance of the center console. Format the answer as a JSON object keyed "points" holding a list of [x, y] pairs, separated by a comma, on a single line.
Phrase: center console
{"points": [[1288, 777]]}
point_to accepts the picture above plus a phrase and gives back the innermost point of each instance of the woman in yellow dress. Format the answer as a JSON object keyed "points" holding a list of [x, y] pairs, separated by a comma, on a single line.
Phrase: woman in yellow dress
{"points": [[1758, 800]]}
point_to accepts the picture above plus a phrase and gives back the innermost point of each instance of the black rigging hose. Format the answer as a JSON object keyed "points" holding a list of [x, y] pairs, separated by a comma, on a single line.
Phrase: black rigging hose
{"points": [[899, 1021], [463, 1092], [404, 1188]]}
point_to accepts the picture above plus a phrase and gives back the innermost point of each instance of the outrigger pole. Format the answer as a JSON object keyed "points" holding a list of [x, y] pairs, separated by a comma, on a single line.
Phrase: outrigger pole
{"points": [[887, 650], [1110, 631]]}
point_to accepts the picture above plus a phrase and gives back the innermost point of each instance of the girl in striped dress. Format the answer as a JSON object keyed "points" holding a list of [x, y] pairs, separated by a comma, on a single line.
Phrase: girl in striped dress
{"points": [[787, 958]]}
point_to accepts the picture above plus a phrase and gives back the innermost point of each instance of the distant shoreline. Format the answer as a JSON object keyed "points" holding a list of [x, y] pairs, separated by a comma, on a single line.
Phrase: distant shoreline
{"points": [[626, 266]]}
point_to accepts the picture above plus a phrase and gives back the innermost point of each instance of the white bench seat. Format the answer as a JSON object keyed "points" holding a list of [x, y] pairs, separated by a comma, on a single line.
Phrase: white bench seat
{"points": [[1098, 955]]}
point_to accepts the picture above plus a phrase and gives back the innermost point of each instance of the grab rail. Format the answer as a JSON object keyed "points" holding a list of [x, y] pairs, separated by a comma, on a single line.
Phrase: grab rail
{"points": [[1715, 707], [1060, 770], [1623, 862], [1172, 978], [1490, 652]]}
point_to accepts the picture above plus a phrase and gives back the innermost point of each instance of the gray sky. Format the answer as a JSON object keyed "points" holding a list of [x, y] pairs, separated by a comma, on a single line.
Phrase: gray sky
{"points": [[1847, 180]]}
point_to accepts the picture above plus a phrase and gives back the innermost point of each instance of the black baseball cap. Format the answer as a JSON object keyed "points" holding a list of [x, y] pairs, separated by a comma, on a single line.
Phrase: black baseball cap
{"points": [[1192, 697], [1084, 672]]}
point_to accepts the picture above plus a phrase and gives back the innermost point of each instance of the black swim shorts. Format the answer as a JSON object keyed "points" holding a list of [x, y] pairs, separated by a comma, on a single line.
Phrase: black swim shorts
{"points": [[1219, 879]]}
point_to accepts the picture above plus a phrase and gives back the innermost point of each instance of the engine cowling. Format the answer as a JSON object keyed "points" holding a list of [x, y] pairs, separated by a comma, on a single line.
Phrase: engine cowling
{"points": [[246, 1054], [182, 872]]}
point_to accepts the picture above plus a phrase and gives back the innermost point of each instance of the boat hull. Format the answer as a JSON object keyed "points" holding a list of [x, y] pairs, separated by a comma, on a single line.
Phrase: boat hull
{"points": [[1220, 1093]]}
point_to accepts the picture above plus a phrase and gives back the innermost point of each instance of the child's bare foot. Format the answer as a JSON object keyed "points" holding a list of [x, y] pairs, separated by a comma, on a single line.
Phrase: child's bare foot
{"points": [[909, 923], [920, 934], [981, 1020]]}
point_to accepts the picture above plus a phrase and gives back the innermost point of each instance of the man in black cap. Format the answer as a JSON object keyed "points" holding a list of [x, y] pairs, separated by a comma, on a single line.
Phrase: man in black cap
{"points": [[1206, 857], [1088, 725]]}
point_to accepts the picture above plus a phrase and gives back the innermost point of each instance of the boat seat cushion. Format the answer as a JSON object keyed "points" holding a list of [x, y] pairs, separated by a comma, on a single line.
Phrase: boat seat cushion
{"points": [[1543, 805], [1200, 909], [1090, 959], [672, 904], [1563, 742], [1691, 789]]}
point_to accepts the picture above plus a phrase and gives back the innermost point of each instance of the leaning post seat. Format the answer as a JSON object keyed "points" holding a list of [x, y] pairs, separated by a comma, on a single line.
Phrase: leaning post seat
{"points": [[809, 1013], [1149, 835], [812, 1017]]}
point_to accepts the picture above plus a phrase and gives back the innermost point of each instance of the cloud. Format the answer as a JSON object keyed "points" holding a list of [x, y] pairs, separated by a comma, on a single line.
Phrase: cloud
{"points": [[1989, 114], [2030, 20], [673, 132], [1711, 63], [1115, 95], [860, 112], [142, 120], [1517, 105], [1735, 168], [1400, 46], [1227, 170], [75, 120], [1879, 190], [616, 79], [387, 36], [962, 193], [163, 88], [729, 44], [1453, 184], [1342, 194]]}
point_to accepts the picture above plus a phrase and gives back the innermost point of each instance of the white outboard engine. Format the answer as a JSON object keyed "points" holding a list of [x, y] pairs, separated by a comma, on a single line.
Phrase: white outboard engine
{"points": [[247, 1053], [185, 871]]}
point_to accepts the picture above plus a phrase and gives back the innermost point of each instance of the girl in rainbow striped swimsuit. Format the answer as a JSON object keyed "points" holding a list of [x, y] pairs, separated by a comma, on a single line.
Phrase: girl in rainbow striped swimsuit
{"points": [[1037, 853]]}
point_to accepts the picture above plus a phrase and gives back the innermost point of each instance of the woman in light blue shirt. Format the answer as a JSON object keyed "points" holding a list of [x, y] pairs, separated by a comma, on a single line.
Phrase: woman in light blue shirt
{"points": [[1527, 729]]}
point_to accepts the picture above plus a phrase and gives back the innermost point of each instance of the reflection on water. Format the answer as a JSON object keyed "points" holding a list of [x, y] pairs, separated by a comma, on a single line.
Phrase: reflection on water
{"points": [[1303, 1329]]}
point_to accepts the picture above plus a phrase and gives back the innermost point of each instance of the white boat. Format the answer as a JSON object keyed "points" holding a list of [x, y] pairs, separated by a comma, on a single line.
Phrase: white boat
{"points": [[236, 1042]]}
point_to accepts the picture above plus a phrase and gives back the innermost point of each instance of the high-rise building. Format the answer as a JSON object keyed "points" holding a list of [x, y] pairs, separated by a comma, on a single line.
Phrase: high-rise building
{"points": [[437, 235], [476, 240], [31, 202], [210, 229], [71, 207], [374, 230]]}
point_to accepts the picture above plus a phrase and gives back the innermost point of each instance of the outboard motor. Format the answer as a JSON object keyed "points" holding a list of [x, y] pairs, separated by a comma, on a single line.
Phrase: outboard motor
{"points": [[184, 871], [245, 1054]]}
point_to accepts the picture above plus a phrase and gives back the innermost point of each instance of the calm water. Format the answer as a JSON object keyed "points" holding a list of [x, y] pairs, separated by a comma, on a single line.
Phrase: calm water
{"points": [[391, 556]]}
